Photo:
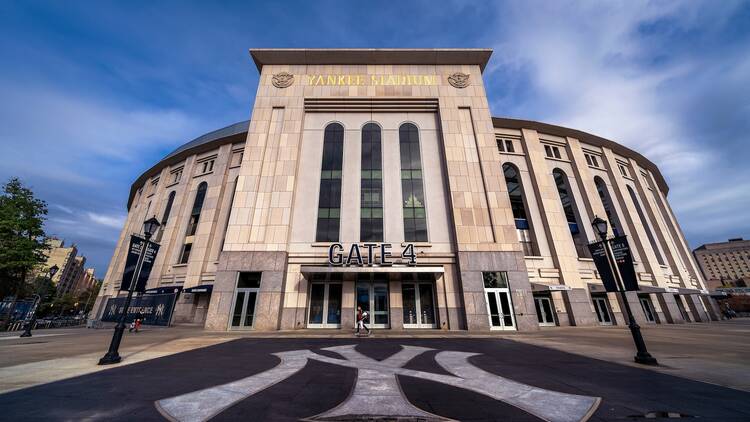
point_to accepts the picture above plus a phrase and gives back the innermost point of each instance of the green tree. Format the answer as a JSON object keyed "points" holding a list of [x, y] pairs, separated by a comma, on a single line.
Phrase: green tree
{"points": [[22, 237]]}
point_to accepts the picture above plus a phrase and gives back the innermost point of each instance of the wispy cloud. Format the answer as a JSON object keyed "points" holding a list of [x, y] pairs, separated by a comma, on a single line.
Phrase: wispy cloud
{"points": [[114, 221]]}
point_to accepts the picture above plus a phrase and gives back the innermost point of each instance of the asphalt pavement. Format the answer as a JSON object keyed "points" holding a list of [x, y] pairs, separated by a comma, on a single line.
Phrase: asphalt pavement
{"points": [[291, 379]]}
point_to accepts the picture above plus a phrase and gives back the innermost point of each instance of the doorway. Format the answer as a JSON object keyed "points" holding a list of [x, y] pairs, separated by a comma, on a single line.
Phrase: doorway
{"points": [[419, 304], [499, 305], [681, 307], [372, 296], [603, 313], [245, 296], [544, 311], [648, 309], [325, 305]]}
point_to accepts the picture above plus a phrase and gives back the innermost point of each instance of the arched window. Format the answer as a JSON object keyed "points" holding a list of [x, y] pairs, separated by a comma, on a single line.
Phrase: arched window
{"points": [[229, 213], [167, 209], [516, 195], [371, 187], [165, 216], [646, 225], [608, 205], [329, 202], [412, 190], [571, 213], [195, 215]]}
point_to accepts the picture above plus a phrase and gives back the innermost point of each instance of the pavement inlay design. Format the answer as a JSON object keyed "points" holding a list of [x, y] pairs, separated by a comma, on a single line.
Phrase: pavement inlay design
{"points": [[377, 393]]}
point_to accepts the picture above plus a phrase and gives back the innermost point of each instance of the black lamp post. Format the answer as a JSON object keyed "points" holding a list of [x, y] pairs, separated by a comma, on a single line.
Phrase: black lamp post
{"points": [[113, 356], [31, 321], [642, 355]]}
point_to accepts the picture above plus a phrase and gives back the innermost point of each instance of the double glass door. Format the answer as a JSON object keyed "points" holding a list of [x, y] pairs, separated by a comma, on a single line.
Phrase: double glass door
{"points": [[246, 293], [325, 305], [544, 313], [602, 310], [419, 305], [373, 298]]}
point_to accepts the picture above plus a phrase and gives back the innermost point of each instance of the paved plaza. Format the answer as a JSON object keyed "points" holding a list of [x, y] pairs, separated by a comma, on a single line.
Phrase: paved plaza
{"points": [[563, 374]]}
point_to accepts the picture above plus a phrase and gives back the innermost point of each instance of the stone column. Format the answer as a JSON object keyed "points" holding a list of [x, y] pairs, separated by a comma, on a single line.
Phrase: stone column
{"points": [[670, 309], [696, 308], [579, 307]]}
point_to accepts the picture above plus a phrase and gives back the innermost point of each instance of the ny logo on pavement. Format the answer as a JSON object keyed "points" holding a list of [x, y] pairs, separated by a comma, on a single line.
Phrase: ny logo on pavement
{"points": [[376, 391]]}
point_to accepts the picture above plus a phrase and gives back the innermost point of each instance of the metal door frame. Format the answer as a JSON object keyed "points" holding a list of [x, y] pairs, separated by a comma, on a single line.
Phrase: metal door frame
{"points": [[326, 290], [496, 291], [551, 306], [600, 299], [418, 304]]}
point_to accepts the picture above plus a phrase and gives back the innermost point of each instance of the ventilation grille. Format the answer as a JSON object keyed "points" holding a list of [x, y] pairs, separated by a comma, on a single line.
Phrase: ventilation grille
{"points": [[370, 104]]}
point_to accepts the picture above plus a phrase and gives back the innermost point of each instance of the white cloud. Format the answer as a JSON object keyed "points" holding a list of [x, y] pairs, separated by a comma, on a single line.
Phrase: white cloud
{"points": [[113, 221], [593, 66]]}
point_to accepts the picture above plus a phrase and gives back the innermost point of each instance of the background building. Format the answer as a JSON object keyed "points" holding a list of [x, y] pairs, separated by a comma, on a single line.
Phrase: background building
{"points": [[72, 277], [725, 264], [396, 149]]}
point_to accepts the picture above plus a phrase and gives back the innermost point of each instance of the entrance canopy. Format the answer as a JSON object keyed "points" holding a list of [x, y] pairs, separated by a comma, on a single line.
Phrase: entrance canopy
{"points": [[394, 269]]}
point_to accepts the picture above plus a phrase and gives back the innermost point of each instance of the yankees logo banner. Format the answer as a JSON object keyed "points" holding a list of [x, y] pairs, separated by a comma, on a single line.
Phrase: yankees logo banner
{"points": [[377, 394], [155, 309]]}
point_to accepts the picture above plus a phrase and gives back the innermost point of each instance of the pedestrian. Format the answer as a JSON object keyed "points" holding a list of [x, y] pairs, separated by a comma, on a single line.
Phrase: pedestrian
{"points": [[361, 316], [138, 321]]}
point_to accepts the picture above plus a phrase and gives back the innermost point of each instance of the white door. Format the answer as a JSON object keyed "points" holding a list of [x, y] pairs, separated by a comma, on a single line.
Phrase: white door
{"points": [[500, 309], [602, 311], [545, 314], [419, 305], [324, 310]]}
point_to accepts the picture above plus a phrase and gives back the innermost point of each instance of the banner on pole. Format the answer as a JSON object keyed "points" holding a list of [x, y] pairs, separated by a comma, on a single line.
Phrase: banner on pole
{"points": [[623, 259], [136, 245]]}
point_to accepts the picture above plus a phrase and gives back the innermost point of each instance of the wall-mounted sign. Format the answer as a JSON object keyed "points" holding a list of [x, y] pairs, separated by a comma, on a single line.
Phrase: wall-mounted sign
{"points": [[374, 80], [362, 254]]}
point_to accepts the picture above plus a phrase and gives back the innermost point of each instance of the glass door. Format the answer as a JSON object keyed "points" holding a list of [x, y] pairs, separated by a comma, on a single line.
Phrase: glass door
{"points": [[648, 309], [325, 305], [373, 298], [499, 305], [544, 312], [602, 311], [419, 305], [245, 295]]}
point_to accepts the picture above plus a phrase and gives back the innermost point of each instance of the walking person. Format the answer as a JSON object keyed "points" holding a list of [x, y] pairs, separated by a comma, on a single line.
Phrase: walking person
{"points": [[361, 316]]}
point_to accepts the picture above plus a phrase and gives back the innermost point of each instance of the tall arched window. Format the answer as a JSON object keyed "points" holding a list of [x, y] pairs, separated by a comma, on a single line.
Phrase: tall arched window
{"points": [[412, 190], [229, 213], [371, 188], [165, 216], [515, 193], [195, 215], [646, 225], [609, 208], [329, 202], [571, 213]]}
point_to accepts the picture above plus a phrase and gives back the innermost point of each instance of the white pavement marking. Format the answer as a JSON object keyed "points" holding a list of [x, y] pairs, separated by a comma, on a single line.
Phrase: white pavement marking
{"points": [[204, 404], [375, 393], [31, 338]]}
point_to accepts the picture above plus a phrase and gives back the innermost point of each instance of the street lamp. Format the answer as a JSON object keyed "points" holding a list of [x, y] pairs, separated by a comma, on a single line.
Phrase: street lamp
{"points": [[113, 356], [30, 322], [642, 355]]}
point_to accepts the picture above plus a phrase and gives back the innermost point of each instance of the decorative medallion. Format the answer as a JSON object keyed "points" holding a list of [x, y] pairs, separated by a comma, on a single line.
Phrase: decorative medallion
{"points": [[282, 80], [459, 80]]}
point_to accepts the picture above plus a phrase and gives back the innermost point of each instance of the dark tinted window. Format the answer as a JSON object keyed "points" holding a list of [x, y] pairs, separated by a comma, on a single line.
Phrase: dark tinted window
{"points": [[248, 280], [329, 200], [571, 213], [415, 215]]}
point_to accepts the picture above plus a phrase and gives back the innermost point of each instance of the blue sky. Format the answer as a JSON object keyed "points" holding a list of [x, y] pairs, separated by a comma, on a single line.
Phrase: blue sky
{"points": [[93, 93]]}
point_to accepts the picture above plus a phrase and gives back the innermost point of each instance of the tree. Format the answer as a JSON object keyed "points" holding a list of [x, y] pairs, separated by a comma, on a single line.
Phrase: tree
{"points": [[22, 237]]}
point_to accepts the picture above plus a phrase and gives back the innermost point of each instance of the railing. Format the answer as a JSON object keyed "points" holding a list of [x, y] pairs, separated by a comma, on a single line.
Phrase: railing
{"points": [[43, 324]]}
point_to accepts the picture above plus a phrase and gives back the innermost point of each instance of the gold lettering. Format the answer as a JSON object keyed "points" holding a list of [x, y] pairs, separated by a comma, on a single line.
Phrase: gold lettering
{"points": [[310, 79], [391, 80], [430, 80], [340, 81], [331, 80], [360, 80], [373, 79]]}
